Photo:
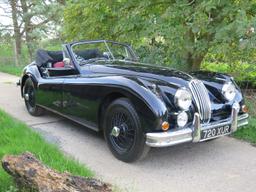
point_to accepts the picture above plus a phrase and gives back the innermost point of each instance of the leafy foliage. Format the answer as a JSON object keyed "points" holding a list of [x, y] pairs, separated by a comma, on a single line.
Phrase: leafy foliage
{"points": [[7, 54], [244, 73], [177, 33], [32, 21]]}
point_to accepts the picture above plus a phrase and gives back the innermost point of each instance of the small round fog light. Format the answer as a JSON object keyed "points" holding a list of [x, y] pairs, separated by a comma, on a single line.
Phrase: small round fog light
{"points": [[165, 126], [182, 119]]}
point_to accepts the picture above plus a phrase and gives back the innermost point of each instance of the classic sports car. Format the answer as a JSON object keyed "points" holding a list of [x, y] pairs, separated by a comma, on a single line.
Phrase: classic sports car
{"points": [[101, 85]]}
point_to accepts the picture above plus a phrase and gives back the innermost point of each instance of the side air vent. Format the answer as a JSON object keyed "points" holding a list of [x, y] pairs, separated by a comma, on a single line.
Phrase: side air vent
{"points": [[202, 99]]}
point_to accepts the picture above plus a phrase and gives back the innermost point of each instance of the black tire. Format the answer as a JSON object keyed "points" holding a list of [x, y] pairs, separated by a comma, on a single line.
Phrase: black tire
{"points": [[129, 145], [29, 94]]}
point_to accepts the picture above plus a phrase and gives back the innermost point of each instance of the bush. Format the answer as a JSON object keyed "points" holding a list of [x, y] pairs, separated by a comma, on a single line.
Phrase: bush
{"points": [[244, 73]]}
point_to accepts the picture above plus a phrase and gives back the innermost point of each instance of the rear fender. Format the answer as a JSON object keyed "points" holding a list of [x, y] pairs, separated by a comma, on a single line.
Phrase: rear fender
{"points": [[30, 71]]}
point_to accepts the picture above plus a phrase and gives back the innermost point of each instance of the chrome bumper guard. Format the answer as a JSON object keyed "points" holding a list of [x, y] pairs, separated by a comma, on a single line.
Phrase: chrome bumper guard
{"points": [[193, 134]]}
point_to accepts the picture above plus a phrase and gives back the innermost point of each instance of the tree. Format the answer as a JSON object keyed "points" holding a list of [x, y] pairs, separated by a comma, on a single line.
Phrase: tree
{"points": [[36, 16], [16, 29], [178, 33], [33, 20]]}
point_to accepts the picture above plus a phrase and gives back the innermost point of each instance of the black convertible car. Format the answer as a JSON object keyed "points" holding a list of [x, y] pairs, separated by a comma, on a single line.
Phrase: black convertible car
{"points": [[101, 85]]}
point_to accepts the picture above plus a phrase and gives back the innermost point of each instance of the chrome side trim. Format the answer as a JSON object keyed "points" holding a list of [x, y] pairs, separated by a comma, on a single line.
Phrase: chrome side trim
{"points": [[193, 133], [83, 123]]}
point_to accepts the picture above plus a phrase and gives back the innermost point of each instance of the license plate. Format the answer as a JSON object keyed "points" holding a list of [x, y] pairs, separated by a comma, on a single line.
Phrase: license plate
{"points": [[215, 132]]}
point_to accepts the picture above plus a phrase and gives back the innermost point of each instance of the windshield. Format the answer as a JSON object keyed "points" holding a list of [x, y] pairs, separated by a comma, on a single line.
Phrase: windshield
{"points": [[89, 52]]}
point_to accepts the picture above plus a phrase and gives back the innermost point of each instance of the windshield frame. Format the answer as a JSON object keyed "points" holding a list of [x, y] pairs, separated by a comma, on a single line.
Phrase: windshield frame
{"points": [[106, 42]]}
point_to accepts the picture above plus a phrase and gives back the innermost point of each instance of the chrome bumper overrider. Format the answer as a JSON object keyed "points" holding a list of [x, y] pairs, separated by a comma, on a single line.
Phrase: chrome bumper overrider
{"points": [[193, 134]]}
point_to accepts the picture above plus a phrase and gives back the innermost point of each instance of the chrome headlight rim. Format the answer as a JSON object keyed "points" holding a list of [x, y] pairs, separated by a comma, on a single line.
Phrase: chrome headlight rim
{"points": [[229, 91], [179, 98]]}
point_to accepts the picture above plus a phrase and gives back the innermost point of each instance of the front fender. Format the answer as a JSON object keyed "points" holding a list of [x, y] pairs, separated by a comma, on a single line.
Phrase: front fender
{"points": [[133, 86], [142, 96], [151, 109]]}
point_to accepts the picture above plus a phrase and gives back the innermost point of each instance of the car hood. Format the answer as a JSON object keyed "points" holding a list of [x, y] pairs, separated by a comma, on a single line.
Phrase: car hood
{"points": [[140, 70], [168, 81]]}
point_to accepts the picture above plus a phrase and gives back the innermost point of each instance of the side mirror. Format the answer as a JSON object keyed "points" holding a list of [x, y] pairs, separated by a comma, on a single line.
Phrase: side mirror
{"points": [[66, 62]]}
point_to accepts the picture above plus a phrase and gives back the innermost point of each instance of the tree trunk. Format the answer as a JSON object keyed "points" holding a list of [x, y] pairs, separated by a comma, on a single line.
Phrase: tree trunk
{"points": [[29, 43], [27, 28], [31, 175], [62, 2], [197, 61], [194, 62], [17, 33]]}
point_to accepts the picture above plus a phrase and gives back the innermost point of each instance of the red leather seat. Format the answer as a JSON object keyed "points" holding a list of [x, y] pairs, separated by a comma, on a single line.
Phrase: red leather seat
{"points": [[58, 64]]}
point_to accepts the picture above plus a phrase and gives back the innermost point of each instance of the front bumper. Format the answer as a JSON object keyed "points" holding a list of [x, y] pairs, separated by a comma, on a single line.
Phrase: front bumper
{"points": [[193, 134]]}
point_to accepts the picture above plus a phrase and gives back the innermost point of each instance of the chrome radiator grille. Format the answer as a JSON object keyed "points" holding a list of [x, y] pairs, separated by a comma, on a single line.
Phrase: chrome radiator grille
{"points": [[202, 99]]}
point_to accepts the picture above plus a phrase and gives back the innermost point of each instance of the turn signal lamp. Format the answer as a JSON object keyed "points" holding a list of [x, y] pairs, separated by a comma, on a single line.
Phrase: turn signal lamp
{"points": [[165, 126], [245, 109]]}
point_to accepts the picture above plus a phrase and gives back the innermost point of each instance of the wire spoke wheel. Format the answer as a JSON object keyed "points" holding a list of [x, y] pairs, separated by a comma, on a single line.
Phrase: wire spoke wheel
{"points": [[125, 138], [123, 132]]}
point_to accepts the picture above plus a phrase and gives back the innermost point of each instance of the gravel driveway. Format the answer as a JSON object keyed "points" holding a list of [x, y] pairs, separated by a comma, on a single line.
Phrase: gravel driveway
{"points": [[225, 164]]}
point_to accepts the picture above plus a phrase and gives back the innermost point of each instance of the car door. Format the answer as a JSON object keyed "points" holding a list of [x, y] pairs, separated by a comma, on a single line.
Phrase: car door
{"points": [[50, 87], [49, 93], [78, 100]]}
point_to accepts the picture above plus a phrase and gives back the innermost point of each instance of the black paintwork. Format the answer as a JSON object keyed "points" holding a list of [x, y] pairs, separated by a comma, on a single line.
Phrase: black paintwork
{"points": [[83, 93]]}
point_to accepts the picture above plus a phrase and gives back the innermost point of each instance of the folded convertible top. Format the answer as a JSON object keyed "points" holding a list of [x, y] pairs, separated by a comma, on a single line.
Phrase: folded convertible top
{"points": [[44, 57]]}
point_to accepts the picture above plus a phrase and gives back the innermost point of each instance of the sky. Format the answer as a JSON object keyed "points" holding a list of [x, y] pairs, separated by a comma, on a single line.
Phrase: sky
{"points": [[4, 20]]}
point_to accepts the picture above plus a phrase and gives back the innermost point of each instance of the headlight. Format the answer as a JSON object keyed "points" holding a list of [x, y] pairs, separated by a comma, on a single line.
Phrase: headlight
{"points": [[183, 98], [229, 91], [182, 119]]}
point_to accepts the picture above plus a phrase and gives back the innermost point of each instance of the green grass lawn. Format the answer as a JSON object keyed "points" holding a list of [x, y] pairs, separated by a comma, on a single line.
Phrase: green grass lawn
{"points": [[16, 138], [11, 69], [7, 57], [247, 133]]}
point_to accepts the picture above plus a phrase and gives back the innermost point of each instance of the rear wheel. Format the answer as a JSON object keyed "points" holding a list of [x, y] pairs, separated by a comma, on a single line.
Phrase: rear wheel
{"points": [[123, 132], [29, 93]]}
